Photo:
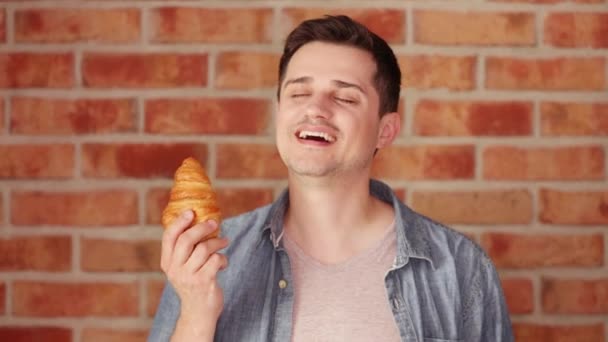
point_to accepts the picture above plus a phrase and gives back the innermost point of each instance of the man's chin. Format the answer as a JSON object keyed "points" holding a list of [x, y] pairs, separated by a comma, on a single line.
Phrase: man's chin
{"points": [[311, 170]]}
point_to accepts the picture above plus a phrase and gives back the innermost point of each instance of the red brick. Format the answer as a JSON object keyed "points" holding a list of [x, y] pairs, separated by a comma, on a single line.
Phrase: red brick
{"points": [[212, 25], [103, 255], [138, 160], [574, 207], [425, 162], [1, 116], [249, 161], [519, 295], [64, 116], [473, 28], [156, 201], [35, 334], [546, 74], [470, 118], [208, 116], [86, 208], [480, 207], [246, 70], [2, 25], [37, 161], [575, 296], [104, 335], [388, 23], [574, 119], [154, 289], [544, 250], [55, 299], [36, 70], [530, 332], [431, 71], [544, 163], [577, 29], [235, 201], [36, 253], [119, 25], [2, 299], [154, 70]]}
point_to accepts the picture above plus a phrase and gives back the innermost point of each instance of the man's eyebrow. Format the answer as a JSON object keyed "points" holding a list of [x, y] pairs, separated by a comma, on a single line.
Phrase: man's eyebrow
{"points": [[338, 83], [303, 79], [343, 84]]}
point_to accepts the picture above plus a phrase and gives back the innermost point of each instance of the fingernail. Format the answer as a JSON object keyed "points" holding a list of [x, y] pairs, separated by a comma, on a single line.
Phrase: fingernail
{"points": [[187, 214], [212, 223]]}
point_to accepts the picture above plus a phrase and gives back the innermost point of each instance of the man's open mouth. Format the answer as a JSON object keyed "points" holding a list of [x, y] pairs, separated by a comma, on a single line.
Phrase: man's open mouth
{"points": [[316, 136]]}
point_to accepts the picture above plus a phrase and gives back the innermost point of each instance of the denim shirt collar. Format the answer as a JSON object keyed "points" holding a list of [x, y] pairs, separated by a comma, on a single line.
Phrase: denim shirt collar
{"points": [[412, 236]]}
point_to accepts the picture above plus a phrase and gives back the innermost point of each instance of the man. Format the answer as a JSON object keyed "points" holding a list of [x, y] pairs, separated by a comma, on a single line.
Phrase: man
{"points": [[337, 257]]}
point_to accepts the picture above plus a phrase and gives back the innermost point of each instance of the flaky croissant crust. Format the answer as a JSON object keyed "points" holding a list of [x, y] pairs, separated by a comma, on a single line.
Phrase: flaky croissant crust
{"points": [[192, 190]]}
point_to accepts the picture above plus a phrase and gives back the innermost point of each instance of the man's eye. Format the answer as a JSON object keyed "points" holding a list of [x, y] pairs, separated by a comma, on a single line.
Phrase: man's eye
{"points": [[298, 95], [345, 100]]}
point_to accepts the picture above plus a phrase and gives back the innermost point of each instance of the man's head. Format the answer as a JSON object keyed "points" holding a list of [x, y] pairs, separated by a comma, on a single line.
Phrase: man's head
{"points": [[343, 30], [336, 77]]}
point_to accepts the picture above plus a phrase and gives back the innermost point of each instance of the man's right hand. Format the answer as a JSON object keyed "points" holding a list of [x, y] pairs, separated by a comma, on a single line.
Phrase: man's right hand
{"points": [[191, 266]]}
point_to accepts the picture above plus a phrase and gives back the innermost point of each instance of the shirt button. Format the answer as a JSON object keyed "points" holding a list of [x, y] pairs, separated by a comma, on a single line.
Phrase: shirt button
{"points": [[282, 283]]}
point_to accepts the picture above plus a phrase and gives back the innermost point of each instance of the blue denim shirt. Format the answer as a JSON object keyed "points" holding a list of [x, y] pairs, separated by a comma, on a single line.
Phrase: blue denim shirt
{"points": [[442, 286]]}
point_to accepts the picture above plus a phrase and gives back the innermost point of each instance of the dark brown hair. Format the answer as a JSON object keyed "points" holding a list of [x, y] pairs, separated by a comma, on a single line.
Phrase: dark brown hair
{"points": [[343, 30]]}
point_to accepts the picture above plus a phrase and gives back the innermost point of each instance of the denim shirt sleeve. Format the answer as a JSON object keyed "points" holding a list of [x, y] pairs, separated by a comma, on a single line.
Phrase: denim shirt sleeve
{"points": [[485, 314], [166, 316]]}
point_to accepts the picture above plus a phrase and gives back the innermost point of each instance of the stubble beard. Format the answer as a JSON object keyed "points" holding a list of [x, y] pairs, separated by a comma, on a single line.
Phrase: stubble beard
{"points": [[327, 168], [301, 164]]}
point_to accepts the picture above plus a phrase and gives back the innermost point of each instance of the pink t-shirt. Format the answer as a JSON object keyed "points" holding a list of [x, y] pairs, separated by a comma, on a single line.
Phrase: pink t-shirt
{"points": [[345, 301]]}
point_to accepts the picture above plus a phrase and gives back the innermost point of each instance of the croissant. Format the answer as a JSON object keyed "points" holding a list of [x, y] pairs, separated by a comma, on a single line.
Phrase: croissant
{"points": [[192, 190]]}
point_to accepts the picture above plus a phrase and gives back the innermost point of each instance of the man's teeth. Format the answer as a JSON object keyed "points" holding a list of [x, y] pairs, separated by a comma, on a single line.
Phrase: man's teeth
{"points": [[325, 136]]}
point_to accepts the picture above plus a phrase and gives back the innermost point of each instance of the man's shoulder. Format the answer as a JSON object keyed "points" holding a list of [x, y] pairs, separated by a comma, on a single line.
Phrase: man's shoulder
{"points": [[443, 234], [442, 241], [250, 222]]}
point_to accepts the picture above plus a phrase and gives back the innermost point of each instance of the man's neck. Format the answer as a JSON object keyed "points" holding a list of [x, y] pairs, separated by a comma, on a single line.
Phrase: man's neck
{"points": [[332, 220]]}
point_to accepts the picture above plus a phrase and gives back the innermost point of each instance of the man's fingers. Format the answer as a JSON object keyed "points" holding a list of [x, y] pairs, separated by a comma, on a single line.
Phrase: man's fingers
{"points": [[214, 264], [187, 240], [202, 251], [170, 236]]}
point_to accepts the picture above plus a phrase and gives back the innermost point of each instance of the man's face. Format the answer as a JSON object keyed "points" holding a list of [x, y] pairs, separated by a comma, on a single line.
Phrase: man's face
{"points": [[328, 122]]}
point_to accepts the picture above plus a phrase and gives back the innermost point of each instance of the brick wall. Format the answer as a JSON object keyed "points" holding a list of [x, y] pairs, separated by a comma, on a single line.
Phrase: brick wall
{"points": [[505, 110]]}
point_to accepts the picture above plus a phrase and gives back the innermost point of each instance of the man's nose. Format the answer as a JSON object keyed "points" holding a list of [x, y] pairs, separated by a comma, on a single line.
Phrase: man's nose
{"points": [[318, 107]]}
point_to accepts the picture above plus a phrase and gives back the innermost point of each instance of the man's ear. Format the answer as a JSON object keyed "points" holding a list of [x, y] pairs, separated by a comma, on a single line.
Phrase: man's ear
{"points": [[389, 128]]}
